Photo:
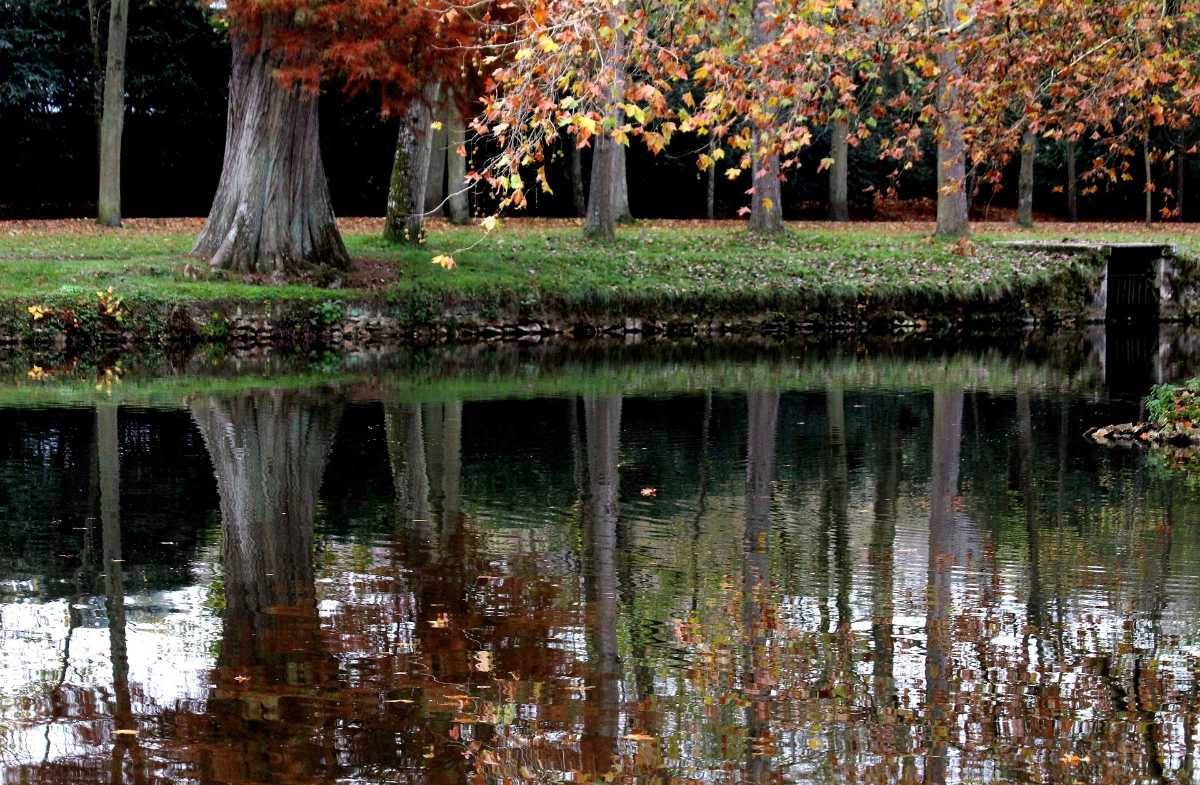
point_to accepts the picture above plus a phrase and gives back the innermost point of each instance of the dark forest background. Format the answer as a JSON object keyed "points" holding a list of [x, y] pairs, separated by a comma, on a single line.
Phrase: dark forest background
{"points": [[178, 65]]}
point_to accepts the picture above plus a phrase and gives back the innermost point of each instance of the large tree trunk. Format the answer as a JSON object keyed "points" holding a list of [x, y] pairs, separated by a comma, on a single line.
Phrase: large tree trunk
{"points": [[839, 197], [952, 207], [435, 188], [1025, 187], [1072, 184], [94, 12], [458, 209], [112, 123], [405, 218], [577, 187], [766, 203], [603, 210], [271, 214]]}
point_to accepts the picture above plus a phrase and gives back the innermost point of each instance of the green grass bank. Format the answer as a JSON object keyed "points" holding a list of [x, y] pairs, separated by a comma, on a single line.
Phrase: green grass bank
{"points": [[541, 277]]}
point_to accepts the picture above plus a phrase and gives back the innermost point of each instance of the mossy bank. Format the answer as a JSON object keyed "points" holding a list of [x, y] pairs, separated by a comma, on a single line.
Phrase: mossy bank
{"points": [[69, 284]]}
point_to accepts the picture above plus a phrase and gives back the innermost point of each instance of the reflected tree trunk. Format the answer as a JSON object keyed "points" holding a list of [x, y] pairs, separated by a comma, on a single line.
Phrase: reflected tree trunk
{"points": [[405, 434], [268, 453], [1025, 450], [108, 445], [947, 442], [883, 543], [757, 679], [602, 423]]}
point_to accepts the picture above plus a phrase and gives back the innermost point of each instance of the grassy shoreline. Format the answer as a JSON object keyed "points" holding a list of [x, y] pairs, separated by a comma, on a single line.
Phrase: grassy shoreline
{"points": [[544, 269]]}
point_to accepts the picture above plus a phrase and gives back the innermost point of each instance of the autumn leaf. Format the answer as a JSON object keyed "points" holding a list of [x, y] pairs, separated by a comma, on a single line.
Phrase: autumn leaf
{"points": [[445, 262]]}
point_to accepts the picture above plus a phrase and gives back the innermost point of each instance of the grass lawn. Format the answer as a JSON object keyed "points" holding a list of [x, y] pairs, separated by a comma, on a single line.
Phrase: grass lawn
{"points": [[548, 263]]}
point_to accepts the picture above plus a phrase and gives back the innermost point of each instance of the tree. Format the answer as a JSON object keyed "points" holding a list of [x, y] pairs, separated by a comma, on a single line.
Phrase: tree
{"points": [[271, 214], [410, 170], [112, 120], [952, 205]]}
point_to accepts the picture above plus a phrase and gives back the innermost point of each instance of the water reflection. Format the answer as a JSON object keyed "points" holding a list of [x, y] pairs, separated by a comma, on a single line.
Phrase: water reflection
{"points": [[828, 586]]}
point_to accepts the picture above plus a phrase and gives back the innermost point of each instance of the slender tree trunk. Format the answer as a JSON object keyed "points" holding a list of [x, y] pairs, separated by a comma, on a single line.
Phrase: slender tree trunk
{"points": [[1025, 187], [410, 171], [839, 205], [435, 187], [603, 210], [624, 214], [94, 11], [577, 189], [112, 122], [766, 203], [710, 198], [458, 209], [953, 219], [271, 214], [1149, 181], [1072, 184]]}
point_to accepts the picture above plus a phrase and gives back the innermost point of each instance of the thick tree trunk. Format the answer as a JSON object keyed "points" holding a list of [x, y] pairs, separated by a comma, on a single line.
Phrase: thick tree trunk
{"points": [[766, 203], [952, 206], [577, 187], [435, 188], [271, 214], [458, 209], [112, 123], [603, 210], [839, 197], [1072, 184], [1149, 181], [1025, 186], [624, 214], [404, 220]]}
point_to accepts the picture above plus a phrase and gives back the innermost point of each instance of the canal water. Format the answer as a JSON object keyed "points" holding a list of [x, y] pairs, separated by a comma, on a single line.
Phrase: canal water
{"points": [[888, 569]]}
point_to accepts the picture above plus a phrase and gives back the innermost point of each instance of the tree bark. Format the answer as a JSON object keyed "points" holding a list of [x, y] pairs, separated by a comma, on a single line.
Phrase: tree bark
{"points": [[1072, 184], [1025, 186], [577, 188], [766, 203], [112, 122], [839, 200], [404, 220], [952, 206], [458, 209], [621, 183], [271, 214], [435, 188], [604, 191]]}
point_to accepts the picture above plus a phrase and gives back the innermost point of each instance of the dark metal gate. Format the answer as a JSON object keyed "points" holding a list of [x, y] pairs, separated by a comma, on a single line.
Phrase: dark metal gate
{"points": [[1133, 283]]}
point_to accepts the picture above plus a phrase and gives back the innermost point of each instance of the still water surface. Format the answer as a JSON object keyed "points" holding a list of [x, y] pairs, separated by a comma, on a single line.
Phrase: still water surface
{"points": [[856, 580]]}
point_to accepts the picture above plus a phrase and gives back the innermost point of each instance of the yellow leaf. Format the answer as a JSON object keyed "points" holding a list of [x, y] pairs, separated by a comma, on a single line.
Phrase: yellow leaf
{"points": [[436, 125], [524, 54], [733, 174], [547, 44], [490, 223], [446, 263]]}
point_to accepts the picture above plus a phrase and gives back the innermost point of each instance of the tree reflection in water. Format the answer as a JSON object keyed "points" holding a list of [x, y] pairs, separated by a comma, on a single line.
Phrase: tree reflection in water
{"points": [[940, 629]]}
